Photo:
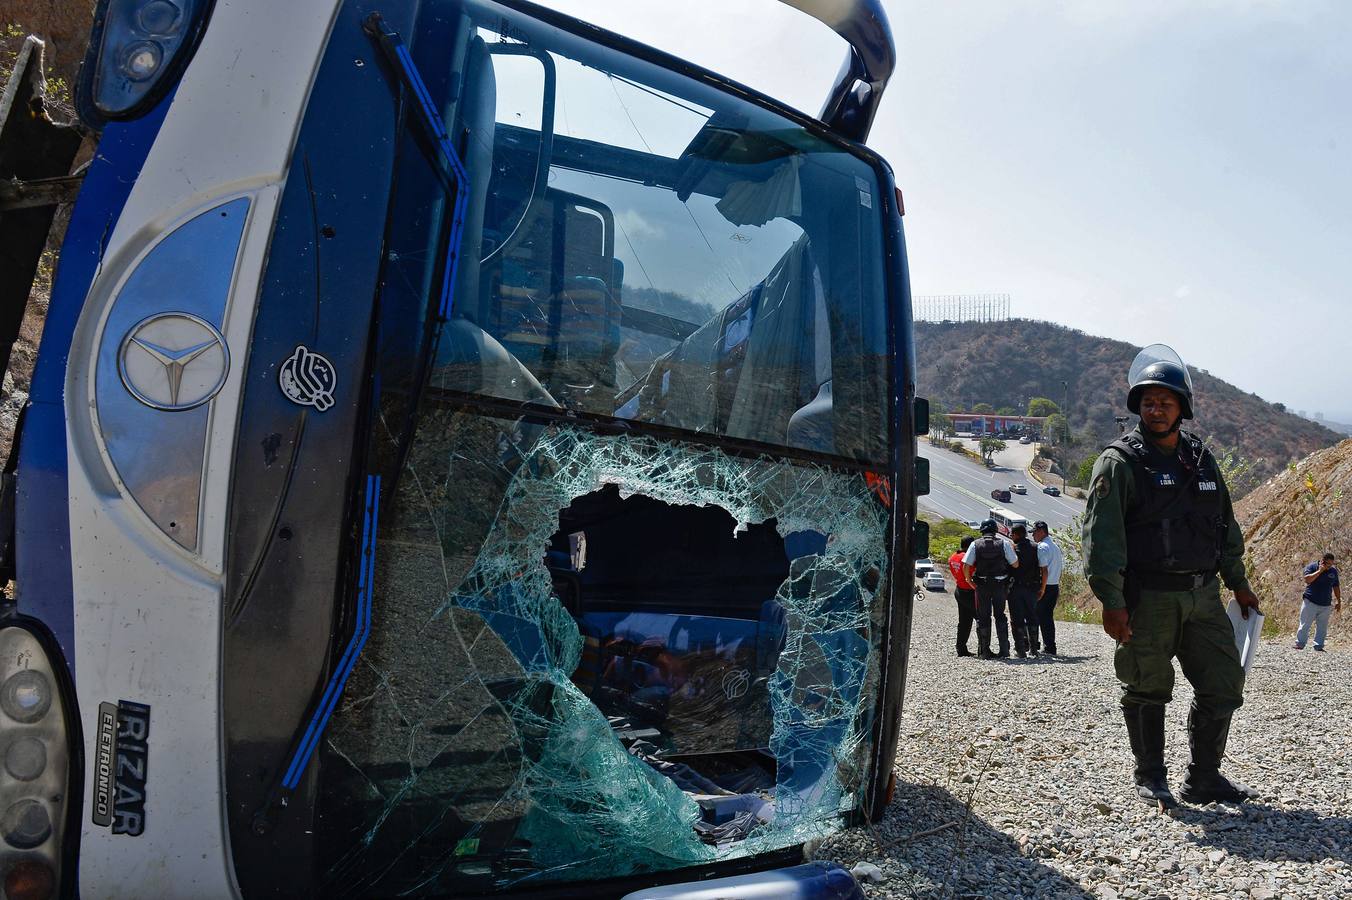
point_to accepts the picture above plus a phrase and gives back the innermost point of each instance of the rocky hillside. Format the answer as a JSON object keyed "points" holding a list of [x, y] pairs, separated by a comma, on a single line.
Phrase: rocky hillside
{"points": [[1294, 518], [1007, 363], [63, 26]]}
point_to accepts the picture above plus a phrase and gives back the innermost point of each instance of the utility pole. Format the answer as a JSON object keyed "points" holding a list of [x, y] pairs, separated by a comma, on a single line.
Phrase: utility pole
{"points": [[1065, 408]]}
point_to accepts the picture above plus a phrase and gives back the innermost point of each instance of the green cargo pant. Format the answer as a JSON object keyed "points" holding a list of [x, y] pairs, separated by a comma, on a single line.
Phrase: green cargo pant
{"points": [[1193, 626]]}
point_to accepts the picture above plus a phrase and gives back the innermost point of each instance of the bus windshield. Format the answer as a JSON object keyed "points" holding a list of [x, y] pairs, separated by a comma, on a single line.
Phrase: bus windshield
{"points": [[630, 553], [639, 246]]}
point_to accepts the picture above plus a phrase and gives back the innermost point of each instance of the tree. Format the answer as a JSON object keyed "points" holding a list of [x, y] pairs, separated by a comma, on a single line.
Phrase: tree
{"points": [[1084, 472], [1006, 411], [984, 408], [989, 447], [1041, 406], [1056, 428], [1237, 471], [941, 425]]}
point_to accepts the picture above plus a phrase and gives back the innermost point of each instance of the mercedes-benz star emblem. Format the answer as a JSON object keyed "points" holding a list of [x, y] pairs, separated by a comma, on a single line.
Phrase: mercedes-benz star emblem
{"points": [[173, 361]]}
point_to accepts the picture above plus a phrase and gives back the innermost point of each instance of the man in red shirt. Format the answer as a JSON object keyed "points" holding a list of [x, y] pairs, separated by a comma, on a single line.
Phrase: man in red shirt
{"points": [[965, 592]]}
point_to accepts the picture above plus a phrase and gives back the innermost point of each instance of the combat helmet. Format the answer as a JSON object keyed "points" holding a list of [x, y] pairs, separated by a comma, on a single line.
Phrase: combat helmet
{"points": [[1159, 366]]}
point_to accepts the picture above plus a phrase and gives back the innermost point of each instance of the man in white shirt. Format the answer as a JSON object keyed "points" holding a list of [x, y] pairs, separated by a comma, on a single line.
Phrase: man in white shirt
{"points": [[1051, 560], [987, 564]]}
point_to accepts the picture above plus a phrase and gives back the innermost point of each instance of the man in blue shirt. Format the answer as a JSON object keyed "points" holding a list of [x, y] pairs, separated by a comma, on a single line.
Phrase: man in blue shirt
{"points": [[1322, 595]]}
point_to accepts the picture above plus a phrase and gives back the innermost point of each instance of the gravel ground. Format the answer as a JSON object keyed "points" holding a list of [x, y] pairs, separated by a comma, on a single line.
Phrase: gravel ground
{"points": [[1038, 750]]}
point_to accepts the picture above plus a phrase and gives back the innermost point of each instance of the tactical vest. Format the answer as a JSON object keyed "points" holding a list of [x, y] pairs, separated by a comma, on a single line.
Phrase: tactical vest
{"points": [[1029, 573], [990, 558], [1176, 523]]}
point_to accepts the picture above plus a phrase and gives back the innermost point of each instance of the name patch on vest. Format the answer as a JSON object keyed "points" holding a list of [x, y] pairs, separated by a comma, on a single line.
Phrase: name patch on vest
{"points": [[1206, 485], [1165, 479]]}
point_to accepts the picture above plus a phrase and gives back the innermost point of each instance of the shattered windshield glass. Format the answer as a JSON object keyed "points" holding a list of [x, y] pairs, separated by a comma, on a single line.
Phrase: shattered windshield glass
{"points": [[596, 654]]}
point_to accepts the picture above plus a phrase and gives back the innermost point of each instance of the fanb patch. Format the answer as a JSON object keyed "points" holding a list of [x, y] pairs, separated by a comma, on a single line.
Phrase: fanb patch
{"points": [[1101, 486]]}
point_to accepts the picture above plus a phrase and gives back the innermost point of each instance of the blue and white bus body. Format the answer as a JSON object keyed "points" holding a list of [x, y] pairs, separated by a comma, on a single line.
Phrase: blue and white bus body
{"points": [[157, 566]]}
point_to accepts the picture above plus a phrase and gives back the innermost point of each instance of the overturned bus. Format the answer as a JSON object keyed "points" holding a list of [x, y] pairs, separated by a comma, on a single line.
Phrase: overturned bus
{"points": [[470, 453]]}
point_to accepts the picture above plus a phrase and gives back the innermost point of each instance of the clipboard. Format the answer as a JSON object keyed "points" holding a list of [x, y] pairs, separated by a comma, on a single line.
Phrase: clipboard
{"points": [[1246, 632]]}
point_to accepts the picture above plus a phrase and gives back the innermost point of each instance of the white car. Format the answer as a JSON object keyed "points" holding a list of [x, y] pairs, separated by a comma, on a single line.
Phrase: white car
{"points": [[1019, 488], [934, 581]]}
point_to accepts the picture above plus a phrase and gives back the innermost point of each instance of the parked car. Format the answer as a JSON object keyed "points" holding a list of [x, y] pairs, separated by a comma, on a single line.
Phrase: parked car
{"points": [[974, 524], [923, 567], [1026, 439], [1002, 495], [1019, 488], [1053, 490], [934, 581]]}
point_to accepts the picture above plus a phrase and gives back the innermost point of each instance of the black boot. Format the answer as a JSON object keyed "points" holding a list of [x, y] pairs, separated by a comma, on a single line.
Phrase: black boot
{"points": [[1205, 783], [1002, 637], [983, 642], [1145, 731]]}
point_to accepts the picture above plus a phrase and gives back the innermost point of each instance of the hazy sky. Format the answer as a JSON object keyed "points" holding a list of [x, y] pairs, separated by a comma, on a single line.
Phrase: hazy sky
{"points": [[1141, 169]]}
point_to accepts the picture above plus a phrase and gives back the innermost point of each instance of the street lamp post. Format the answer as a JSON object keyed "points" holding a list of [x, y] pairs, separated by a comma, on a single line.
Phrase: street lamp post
{"points": [[1065, 410]]}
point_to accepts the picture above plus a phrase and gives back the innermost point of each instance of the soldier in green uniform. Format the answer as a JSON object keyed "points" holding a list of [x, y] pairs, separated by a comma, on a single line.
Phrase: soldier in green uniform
{"points": [[1158, 530]]}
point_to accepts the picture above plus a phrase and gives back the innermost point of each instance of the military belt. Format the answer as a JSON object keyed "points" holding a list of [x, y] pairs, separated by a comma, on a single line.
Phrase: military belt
{"points": [[1173, 581]]}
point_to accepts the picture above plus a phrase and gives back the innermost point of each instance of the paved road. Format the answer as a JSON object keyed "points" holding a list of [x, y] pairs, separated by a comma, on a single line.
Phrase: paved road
{"points": [[960, 488]]}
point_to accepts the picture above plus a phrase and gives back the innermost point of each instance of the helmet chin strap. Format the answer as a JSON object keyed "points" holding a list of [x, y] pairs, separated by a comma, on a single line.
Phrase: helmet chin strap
{"points": [[1159, 435]]}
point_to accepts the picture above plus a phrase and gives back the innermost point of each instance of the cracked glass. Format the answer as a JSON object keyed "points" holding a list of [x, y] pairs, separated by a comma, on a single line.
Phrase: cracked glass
{"points": [[539, 704]]}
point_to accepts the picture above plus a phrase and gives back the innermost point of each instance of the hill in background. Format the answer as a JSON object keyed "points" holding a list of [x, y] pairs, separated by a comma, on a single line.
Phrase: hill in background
{"points": [[1007, 363], [1292, 520]]}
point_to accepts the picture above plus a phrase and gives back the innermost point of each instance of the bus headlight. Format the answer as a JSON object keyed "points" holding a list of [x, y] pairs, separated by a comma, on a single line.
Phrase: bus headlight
{"points": [[26, 824], [25, 758], [139, 49], [30, 880], [26, 696], [35, 760]]}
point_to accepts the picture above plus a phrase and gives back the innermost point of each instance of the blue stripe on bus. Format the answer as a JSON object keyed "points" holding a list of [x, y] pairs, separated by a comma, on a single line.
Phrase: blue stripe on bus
{"points": [[42, 520], [432, 121], [361, 631]]}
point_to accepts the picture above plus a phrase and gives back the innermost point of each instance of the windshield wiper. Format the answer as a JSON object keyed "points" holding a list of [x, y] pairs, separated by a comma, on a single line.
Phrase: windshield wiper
{"points": [[401, 61]]}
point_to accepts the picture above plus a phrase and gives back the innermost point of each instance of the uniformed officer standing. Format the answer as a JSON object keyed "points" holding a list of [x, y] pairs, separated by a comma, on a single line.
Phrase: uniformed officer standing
{"points": [[1027, 583], [987, 564], [1158, 529]]}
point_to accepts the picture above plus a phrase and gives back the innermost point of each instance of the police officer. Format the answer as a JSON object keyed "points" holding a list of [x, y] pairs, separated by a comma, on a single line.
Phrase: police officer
{"points": [[1026, 587], [987, 565], [1158, 529]]}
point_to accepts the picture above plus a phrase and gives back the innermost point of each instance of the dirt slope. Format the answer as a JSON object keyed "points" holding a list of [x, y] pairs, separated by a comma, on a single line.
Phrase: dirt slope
{"points": [[1293, 519]]}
